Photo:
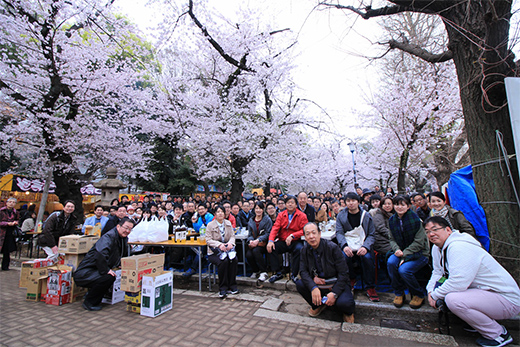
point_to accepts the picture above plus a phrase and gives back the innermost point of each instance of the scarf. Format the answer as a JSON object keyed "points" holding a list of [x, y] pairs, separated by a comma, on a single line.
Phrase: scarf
{"points": [[222, 230], [443, 212], [404, 229]]}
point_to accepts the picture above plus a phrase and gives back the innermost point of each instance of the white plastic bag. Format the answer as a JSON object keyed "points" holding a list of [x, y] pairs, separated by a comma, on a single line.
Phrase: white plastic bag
{"points": [[158, 230], [138, 233]]}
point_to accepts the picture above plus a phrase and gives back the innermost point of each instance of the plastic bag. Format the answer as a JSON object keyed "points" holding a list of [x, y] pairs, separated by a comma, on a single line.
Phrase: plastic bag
{"points": [[158, 230], [138, 231]]}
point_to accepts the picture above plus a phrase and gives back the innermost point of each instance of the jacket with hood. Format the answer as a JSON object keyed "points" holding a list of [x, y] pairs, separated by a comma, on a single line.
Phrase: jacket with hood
{"points": [[470, 267]]}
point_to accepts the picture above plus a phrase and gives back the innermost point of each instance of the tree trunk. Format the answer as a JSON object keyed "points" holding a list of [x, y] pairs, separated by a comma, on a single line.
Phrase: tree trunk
{"points": [[68, 187], [481, 67], [401, 178], [267, 189], [237, 187]]}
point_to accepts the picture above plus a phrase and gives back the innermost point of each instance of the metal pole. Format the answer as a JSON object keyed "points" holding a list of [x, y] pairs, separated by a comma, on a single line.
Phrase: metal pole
{"points": [[354, 169]]}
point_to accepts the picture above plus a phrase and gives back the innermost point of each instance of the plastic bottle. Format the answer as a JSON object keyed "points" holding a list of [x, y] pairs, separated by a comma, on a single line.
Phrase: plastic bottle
{"points": [[39, 227]]}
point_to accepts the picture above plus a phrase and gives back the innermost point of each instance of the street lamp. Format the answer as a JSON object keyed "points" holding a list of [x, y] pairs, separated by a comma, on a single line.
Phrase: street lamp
{"points": [[352, 147]]}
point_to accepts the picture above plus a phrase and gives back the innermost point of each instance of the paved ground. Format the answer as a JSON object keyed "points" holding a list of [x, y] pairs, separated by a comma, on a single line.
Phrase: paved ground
{"points": [[194, 320]]}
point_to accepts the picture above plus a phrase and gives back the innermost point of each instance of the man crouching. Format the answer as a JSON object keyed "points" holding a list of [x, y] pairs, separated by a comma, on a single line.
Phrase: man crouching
{"points": [[95, 271], [324, 275]]}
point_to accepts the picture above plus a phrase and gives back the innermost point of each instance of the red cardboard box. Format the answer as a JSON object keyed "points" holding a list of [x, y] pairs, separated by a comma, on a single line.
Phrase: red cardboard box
{"points": [[59, 285]]}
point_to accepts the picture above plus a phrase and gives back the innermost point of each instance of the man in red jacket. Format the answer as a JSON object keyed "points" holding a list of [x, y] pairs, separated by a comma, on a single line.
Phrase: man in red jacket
{"points": [[286, 237]]}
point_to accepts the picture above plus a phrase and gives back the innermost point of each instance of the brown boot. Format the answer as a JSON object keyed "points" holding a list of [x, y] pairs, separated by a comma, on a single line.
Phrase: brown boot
{"points": [[348, 319], [399, 301], [416, 302], [315, 312]]}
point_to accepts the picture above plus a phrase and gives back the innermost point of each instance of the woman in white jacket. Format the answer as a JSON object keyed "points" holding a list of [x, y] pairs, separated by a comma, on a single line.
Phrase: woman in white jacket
{"points": [[474, 286]]}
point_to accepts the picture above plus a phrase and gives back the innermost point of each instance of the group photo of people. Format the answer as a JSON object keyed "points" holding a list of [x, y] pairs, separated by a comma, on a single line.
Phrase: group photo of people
{"points": [[429, 251]]}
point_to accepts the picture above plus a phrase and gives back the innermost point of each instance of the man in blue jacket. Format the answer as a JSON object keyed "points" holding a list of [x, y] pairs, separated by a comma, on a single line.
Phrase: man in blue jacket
{"points": [[95, 219]]}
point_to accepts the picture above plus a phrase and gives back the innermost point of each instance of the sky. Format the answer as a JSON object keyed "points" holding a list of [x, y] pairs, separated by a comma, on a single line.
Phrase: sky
{"points": [[331, 70]]}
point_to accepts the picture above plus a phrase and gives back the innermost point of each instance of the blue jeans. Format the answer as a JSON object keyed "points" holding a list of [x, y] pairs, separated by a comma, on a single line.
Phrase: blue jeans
{"points": [[403, 276]]}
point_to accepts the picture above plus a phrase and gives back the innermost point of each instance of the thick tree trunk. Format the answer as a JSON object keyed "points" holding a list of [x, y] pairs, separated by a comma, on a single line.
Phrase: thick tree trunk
{"points": [[482, 64], [237, 187], [267, 188], [401, 177], [68, 187]]}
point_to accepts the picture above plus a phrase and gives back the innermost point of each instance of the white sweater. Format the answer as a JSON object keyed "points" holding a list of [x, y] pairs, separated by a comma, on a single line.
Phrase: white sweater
{"points": [[470, 267]]}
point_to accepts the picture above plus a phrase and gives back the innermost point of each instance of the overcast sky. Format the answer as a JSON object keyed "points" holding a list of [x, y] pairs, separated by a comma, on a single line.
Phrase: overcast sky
{"points": [[330, 68]]}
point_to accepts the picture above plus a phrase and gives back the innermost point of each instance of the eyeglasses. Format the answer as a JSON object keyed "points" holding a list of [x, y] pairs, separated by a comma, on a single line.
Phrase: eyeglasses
{"points": [[433, 230], [126, 228]]}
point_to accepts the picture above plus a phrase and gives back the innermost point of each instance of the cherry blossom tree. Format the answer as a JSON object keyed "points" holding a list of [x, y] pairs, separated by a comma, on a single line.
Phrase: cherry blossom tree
{"points": [[231, 94], [478, 34], [73, 72]]}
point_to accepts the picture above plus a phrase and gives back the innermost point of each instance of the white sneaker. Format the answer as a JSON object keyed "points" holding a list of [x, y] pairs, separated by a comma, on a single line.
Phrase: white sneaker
{"points": [[263, 277], [232, 255], [223, 255], [253, 275]]}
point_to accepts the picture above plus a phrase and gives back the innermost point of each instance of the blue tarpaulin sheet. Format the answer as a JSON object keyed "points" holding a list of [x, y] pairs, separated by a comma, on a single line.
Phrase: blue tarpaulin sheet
{"points": [[463, 197]]}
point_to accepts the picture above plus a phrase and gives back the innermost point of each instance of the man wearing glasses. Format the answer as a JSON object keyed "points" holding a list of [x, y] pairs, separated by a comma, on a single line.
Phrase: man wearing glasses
{"points": [[472, 284], [95, 271]]}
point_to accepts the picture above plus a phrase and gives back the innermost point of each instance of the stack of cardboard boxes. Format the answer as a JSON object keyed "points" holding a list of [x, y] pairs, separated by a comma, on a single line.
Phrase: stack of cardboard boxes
{"points": [[149, 289], [75, 247], [33, 276]]}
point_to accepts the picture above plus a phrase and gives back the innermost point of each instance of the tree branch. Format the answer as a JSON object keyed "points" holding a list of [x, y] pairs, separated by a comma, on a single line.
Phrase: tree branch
{"points": [[214, 43], [421, 52]]}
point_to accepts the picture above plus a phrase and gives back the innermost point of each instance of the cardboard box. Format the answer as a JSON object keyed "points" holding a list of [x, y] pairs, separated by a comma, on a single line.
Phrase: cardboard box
{"points": [[157, 294], [142, 261], [29, 273], [76, 244], [114, 294], [93, 229], [44, 290], [131, 279], [58, 285], [135, 267], [133, 307], [133, 298], [73, 260], [34, 288]]}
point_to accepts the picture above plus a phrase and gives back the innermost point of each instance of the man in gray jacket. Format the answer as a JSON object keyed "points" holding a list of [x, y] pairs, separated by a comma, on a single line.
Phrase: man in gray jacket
{"points": [[355, 234], [474, 286]]}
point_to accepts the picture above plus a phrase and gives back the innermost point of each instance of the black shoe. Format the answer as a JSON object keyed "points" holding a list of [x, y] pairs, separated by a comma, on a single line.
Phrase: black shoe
{"points": [[294, 278], [233, 291], [222, 294], [275, 278], [87, 306]]}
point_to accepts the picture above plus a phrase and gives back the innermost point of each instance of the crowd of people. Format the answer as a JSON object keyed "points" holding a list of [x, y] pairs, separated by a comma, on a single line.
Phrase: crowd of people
{"points": [[408, 234]]}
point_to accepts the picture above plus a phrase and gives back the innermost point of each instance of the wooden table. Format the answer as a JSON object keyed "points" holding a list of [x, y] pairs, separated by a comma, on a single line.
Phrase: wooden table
{"points": [[195, 246]]}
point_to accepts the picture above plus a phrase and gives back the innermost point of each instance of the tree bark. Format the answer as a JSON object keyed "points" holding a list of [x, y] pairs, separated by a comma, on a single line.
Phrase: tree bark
{"points": [[481, 67]]}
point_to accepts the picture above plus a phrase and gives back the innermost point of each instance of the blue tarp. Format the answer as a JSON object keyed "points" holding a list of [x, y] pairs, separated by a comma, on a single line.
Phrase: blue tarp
{"points": [[463, 197]]}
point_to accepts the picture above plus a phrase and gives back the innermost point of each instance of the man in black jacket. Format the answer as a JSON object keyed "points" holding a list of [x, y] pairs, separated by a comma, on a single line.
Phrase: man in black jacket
{"points": [[303, 206], [95, 271], [324, 275], [58, 224], [114, 220]]}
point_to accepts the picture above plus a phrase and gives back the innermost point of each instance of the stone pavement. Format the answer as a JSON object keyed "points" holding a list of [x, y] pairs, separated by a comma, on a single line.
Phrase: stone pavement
{"points": [[196, 319]]}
